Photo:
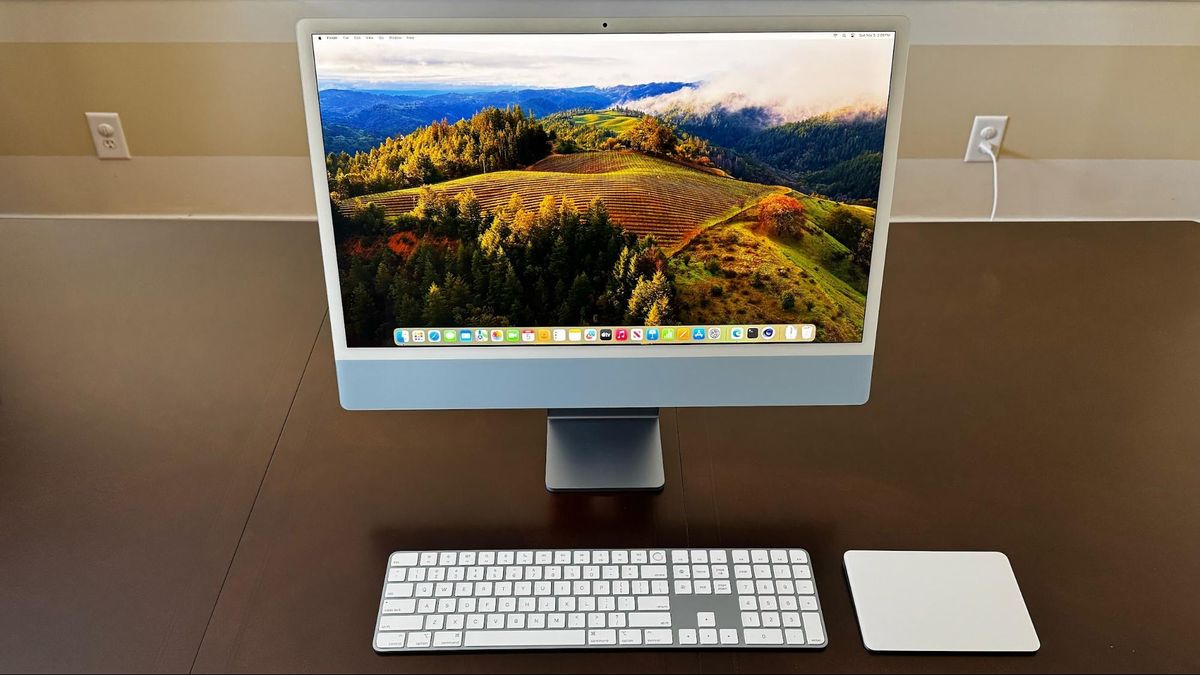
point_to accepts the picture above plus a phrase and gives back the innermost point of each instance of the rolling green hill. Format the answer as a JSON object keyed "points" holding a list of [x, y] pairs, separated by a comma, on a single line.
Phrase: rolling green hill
{"points": [[609, 120], [644, 195]]}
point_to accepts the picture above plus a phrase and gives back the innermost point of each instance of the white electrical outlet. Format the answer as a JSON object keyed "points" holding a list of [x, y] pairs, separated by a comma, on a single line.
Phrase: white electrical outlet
{"points": [[108, 135], [987, 128]]}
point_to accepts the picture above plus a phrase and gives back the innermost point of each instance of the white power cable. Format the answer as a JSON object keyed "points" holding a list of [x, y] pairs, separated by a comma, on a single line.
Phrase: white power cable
{"points": [[986, 148]]}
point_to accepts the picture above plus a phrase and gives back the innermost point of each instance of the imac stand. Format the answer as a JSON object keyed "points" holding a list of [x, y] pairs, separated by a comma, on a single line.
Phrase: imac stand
{"points": [[603, 450]]}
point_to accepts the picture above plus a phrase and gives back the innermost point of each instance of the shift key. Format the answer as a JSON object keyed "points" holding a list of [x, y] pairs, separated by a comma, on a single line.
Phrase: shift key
{"points": [[650, 620]]}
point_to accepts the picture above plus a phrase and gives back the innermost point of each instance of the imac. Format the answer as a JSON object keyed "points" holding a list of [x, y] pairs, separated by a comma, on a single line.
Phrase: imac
{"points": [[602, 217]]}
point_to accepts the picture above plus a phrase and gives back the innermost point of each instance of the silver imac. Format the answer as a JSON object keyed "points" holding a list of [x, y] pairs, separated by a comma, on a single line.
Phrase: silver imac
{"points": [[601, 217]]}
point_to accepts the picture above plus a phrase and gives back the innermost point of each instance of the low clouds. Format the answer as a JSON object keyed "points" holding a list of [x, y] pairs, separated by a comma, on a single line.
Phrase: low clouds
{"points": [[792, 77]]}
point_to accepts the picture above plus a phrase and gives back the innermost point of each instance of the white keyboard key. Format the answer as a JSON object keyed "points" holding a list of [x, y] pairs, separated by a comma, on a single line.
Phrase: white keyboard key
{"points": [[450, 638], [679, 557], [475, 621], [595, 620], [770, 619], [778, 556], [426, 606], [729, 636], [813, 628], [742, 571], [687, 636], [495, 621], [787, 602], [576, 620], [638, 557], [701, 572], [417, 574], [801, 571], [390, 640], [745, 587], [699, 556], [650, 620], [763, 636], [629, 636], [396, 574], [600, 557], [562, 557], [750, 619], [658, 636], [467, 558], [626, 604], [403, 622], [722, 587], [536, 621], [654, 571], [619, 557], [486, 558], [708, 636], [659, 587], [785, 587], [768, 602], [764, 587], [406, 606], [797, 556], [420, 640], [602, 637], [791, 619], [808, 603], [428, 558], [405, 559], [435, 622], [505, 558], [762, 571], [706, 619], [446, 605], [558, 620], [525, 638], [524, 557], [515, 621], [720, 571], [683, 587], [805, 588], [447, 558], [581, 557], [717, 557], [759, 556], [781, 571], [794, 636], [747, 603], [741, 556], [702, 587], [681, 571], [616, 619], [653, 603], [398, 590]]}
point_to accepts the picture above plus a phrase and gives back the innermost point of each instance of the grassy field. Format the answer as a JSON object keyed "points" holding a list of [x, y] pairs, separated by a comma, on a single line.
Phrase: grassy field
{"points": [[732, 270], [609, 120], [645, 195]]}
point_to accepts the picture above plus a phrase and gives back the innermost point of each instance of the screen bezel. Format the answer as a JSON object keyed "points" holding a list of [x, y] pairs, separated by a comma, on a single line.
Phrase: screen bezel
{"points": [[307, 28]]}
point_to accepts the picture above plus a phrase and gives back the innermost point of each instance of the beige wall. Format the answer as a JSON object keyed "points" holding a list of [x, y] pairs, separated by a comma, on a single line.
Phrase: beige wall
{"points": [[243, 99], [1114, 104]]}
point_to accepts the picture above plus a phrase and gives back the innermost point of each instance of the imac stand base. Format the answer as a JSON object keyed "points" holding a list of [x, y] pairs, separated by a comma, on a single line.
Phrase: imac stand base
{"points": [[603, 450]]}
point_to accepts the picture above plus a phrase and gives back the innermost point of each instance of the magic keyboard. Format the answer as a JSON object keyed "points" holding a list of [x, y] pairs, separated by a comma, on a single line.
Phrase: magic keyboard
{"points": [[602, 599]]}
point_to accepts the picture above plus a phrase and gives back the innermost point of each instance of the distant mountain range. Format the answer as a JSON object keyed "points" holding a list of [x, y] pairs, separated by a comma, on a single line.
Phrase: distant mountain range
{"points": [[354, 119], [838, 154]]}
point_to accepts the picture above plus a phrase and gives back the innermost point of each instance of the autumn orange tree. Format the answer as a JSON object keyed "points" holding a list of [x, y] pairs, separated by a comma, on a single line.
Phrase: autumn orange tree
{"points": [[781, 215]]}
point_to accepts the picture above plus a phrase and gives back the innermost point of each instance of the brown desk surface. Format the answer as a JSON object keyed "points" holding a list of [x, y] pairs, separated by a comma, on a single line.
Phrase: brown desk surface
{"points": [[1036, 391]]}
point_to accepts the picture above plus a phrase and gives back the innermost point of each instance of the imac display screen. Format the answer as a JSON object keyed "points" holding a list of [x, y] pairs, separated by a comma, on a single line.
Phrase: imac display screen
{"points": [[603, 189]]}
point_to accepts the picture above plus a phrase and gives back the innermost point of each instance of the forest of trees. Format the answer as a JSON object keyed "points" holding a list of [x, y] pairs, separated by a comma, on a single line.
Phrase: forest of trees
{"points": [[490, 140], [552, 264]]}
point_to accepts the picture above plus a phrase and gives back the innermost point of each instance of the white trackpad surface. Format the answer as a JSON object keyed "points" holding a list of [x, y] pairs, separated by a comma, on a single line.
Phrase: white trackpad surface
{"points": [[939, 601]]}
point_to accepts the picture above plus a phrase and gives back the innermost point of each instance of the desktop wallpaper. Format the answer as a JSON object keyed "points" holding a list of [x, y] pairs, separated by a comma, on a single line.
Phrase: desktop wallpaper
{"points": [[587, 180]]}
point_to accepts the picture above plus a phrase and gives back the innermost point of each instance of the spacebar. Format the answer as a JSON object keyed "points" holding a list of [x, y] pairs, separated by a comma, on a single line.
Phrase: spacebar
{"points": [[524, 638]]}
